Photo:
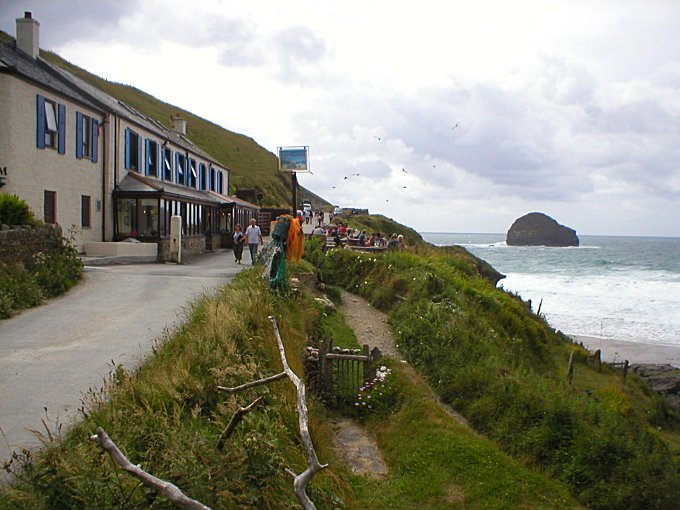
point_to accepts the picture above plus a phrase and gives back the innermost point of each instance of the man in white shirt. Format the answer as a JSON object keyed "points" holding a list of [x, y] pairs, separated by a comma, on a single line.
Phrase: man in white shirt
{"points": [[254, 236]]}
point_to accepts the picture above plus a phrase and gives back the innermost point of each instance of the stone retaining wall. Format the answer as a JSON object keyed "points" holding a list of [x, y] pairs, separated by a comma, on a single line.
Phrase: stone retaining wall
{"points": [[19, 244], [191, 245]]}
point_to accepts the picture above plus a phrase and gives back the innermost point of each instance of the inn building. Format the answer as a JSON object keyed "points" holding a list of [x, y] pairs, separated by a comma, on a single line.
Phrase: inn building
{"points": [[81, 158]]}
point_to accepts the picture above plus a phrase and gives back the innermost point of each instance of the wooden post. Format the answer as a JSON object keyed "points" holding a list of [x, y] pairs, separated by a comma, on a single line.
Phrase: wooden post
{"points": [[368, 365], [538, 312], [625, 369], [599, 360], [570, 368], [294, 186], [328, 369]]}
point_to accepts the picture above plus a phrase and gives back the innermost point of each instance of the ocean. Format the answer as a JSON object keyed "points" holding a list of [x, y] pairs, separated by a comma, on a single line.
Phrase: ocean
{"points": [[623, 288]]}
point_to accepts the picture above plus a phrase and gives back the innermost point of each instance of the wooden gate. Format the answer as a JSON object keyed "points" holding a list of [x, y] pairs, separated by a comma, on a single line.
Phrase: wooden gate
{"points": [[343, 372]]}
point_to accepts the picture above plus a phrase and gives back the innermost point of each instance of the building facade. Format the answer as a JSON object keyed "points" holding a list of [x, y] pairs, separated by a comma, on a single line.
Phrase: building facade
{"points": [[98, 167]]}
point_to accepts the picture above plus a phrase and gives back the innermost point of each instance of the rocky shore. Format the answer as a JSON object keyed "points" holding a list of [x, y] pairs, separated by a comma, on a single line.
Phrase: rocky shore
{"points": [[658, 365]]}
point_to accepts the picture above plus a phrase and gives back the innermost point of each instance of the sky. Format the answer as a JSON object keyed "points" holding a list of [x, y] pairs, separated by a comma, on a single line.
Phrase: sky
{"points": [[456, 116]]}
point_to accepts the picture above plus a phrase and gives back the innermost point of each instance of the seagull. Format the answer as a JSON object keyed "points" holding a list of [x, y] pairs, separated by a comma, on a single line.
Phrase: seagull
{"points": [[387, 200], [403, 187], [377, 138], [434, 166], [404, 170], [454, 127]]}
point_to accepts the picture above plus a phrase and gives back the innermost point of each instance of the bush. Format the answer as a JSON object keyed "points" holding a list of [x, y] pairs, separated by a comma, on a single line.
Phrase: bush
{"points": [[14, 211], [49, 274]]}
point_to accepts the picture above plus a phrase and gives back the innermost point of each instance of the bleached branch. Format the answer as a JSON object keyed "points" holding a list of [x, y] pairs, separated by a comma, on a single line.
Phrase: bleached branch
{"points": [[235, 420], [167, 489], [313, 465], [251, 384]]}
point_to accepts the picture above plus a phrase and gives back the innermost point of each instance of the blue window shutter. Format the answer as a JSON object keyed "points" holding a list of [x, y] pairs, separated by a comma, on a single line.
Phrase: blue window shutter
{"points": [[41, 122], [79, 135], [127, 147], [140, 154], [95, 140], [62, 129], [147, 152]]}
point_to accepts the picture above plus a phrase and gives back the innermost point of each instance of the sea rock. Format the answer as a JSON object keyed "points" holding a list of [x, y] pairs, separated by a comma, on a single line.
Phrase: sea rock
{"points": [[538, 229], [663, 379]]}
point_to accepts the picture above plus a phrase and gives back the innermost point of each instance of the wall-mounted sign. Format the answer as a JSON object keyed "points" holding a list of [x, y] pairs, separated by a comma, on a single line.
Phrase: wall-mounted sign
{"points": [[3, 176], [294, 159]]}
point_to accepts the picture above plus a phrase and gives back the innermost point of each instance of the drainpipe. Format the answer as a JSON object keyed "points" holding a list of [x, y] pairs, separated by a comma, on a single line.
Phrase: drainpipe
{"points": [[104, 173]]}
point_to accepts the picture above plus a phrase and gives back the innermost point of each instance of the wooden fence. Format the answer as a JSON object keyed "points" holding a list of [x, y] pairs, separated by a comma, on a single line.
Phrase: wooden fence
{"points": [[344, 372]]}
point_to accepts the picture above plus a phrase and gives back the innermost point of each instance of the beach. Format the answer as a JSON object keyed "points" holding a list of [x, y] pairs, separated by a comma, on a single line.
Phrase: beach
{"points": [[634, 352]]}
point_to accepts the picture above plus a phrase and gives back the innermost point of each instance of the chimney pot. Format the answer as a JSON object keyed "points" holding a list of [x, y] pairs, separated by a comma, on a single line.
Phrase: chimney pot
{"points": [[28, 15]]}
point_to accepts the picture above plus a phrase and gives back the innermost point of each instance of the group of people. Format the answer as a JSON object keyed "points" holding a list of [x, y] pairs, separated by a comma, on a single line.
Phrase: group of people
{"points": [[252, 236], [343, 235]]}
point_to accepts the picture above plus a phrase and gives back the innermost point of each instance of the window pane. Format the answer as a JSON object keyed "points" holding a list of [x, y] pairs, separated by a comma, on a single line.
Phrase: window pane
{"points": [[127, 212], [147, 224], [85, 211], [50, 116], [50, 209]]}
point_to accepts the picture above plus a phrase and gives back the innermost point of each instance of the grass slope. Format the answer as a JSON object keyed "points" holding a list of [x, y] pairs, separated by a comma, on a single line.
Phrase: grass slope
{"points": [[168, 417], [503, 368]]}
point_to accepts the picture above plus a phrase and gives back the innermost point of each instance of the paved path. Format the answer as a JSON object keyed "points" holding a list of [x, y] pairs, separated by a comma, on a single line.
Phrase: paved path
{"points": [[51, 355]]}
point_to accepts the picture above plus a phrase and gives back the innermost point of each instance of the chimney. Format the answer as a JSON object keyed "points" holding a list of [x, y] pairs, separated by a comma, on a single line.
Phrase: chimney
{"points": [[28, 35], [179, 125]]}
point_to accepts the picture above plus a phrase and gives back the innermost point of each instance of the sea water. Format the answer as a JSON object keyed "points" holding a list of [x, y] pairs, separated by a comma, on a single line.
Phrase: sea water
{"points": [[624, 288]]}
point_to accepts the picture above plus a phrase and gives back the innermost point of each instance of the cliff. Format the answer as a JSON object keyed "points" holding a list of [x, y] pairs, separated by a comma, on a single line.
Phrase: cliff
{"points": [[538, 229]]}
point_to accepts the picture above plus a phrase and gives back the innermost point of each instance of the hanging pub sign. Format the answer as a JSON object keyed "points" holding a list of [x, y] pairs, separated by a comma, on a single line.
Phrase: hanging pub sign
{"points": [[294, 159]]}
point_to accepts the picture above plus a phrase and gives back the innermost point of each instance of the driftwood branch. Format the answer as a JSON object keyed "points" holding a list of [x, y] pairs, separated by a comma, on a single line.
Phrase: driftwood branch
{"points": [[235, 420], [170, 491], [251, 384], [300, 481]]}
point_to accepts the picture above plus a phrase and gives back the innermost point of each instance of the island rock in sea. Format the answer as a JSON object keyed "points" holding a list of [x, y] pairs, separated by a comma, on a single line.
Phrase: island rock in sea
{"points": [[538, 229]]}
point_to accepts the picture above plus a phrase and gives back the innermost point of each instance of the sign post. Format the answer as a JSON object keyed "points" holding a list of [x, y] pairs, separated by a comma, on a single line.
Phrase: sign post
{"points": [[294, 160]]}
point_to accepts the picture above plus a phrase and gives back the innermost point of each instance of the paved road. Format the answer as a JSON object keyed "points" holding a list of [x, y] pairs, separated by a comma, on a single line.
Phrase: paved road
{"points": [[51, 355]]}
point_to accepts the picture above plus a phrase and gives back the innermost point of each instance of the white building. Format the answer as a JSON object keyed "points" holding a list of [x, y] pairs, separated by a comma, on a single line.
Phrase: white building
{"points": [[81, 158]]}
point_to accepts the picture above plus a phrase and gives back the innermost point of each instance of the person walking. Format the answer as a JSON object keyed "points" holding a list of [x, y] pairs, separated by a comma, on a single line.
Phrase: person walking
{"points": [[254, 236], [239, 239]]}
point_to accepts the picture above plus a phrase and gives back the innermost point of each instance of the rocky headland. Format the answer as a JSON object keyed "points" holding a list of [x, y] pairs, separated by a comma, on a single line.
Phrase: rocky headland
{"points": [[538, 229]]}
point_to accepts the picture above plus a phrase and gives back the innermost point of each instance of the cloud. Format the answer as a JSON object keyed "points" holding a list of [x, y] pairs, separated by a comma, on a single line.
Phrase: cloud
{"points": [[81, 19]]}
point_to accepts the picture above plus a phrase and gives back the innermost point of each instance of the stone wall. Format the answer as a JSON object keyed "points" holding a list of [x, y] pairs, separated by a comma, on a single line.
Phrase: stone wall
{"points": [[191, 245], [19, 244]]}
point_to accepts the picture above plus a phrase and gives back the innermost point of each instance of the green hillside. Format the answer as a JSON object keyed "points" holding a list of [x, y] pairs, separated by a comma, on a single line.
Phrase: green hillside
{"points": [[251, 165]]}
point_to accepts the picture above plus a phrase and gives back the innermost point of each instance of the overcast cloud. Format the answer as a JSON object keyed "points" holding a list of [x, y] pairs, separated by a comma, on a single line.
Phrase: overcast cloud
{"points": [[455, 117]]}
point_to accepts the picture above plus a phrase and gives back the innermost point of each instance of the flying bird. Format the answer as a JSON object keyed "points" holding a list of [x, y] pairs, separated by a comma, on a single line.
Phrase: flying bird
{"points": [[404, 170], [403, 187], [379, 138], [454, 127]]}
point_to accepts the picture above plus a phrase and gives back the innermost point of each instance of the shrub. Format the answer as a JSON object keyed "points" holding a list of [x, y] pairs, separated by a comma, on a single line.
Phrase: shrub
{"points": [[49, 274], [15, 211]]}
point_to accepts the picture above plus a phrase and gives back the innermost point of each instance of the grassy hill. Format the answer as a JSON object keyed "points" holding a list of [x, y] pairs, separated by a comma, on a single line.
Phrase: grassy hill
{"points": [[251, 165]]}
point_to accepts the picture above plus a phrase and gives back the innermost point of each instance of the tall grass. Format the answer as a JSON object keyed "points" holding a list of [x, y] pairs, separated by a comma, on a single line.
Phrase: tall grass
{"points": [[168, 416]]}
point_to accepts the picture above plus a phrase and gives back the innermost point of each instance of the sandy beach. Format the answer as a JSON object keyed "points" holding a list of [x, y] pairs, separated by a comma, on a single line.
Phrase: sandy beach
{"points": [[634, 352]]}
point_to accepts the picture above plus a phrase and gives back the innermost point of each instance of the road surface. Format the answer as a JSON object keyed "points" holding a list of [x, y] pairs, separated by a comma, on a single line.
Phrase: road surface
{"points": [[51, 355]]}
